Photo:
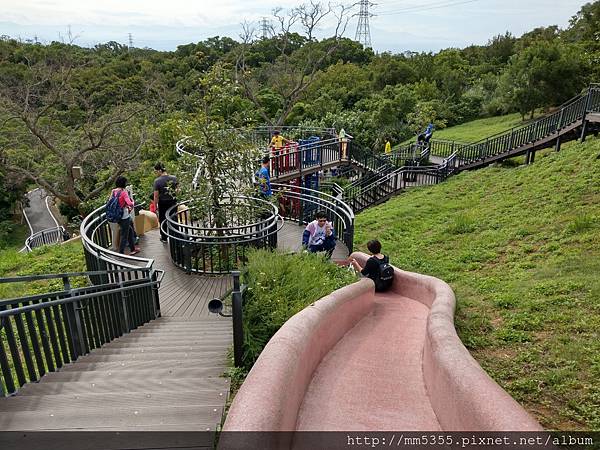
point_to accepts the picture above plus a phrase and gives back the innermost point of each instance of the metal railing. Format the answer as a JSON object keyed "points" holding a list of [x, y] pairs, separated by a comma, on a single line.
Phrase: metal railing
{"points": [[397, 181], [217, 242], [41, 333], [544, 130], [97, 238], [49, 236], [304, 157], [299, 204]]}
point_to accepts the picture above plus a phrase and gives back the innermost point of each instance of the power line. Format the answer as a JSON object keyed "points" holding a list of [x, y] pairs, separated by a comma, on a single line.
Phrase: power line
{"points": [[425, 7], [363, 31]]}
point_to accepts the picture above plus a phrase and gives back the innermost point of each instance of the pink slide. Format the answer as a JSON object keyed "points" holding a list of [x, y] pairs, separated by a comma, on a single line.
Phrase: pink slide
{"points": [[361, 361]]}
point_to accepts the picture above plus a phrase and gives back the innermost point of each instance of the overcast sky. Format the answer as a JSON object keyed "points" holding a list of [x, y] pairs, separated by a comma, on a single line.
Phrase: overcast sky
{"points": [[398, 25]]}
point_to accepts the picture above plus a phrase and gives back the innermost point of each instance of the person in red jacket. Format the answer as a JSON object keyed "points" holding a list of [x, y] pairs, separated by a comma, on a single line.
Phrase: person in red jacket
{"points": [[125, 224]]}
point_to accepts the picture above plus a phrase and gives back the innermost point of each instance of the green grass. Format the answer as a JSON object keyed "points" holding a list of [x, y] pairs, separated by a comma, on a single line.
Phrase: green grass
{"points": [[279, 286], [44, 260], [476, 129], [520, 246]]}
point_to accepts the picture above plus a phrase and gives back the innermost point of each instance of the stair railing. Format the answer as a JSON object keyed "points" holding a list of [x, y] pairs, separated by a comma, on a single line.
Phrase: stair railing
{"points": [[41, 333]]}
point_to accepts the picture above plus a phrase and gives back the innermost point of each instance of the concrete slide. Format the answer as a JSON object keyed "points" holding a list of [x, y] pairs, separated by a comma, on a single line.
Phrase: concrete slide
{"points": [[361, 361]]}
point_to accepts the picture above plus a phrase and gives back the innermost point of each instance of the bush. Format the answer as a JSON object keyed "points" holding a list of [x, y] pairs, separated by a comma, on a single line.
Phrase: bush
{"points": [[279, 286]]}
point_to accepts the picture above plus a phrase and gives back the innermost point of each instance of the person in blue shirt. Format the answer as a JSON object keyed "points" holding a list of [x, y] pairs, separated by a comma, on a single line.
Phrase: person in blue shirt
{"points": [[264, 179], [426, 135]]}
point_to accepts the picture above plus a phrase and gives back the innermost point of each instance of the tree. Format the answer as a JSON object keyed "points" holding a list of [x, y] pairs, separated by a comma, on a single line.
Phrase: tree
{"points": [[546, 73], [49, 128], [291, 73], [585, 26], [225, 158]]}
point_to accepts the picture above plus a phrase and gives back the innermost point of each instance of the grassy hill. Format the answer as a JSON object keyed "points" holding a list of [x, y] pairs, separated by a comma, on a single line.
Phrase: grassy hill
{"points": [[44, 260], [477, 129], [520, 247]]}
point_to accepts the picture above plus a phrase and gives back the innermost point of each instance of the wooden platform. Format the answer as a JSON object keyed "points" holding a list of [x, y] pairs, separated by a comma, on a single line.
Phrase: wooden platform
{"points": [[182, 295]]}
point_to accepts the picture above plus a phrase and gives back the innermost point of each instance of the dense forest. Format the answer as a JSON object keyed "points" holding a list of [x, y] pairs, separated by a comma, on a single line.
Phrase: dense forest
{"points": [[113, 109]]}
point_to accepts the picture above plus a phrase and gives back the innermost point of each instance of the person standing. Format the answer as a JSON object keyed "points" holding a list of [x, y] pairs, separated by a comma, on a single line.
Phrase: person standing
{"points": [[125, 223], [264, 179], [388, 147], [164, 195], [277, 142]]}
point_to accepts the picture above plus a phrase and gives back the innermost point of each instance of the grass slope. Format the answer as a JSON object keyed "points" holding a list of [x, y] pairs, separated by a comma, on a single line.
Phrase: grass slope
{"points": [[44, 260], [521, 249], [477, 129]]}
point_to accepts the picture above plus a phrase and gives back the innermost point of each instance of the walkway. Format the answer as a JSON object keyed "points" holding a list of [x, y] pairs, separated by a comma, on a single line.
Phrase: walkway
{"points": [[165, 376], [37, 214]]}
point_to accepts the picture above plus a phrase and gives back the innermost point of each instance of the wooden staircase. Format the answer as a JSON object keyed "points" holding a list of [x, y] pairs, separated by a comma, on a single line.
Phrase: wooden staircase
{"points": [[160, 377]]}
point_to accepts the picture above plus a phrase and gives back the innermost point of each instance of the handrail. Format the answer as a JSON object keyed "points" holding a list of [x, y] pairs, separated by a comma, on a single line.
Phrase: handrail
{"points": [[95, 225], [572, 111], [92, 296], [42, 332], [63, 275], [48, 236]]}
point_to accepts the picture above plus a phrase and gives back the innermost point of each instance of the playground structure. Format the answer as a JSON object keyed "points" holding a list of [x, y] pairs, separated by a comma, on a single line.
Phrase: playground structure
{"points": [[87, 358]]}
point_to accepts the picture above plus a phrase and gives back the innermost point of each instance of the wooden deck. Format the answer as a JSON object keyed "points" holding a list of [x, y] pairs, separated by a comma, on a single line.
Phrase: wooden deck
{"points": [[167, 375]]}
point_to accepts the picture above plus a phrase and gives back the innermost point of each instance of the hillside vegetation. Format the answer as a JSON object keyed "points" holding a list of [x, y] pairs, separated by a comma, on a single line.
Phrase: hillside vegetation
{"points": [[44, 260], [521, 248]]}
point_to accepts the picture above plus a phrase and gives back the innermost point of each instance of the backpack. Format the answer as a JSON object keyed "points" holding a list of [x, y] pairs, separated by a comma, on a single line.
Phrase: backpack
{"points": [[114, 212], [386, 275]]}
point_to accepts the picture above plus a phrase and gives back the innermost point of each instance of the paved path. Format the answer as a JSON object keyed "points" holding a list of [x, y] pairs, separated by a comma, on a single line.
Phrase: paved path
{"points": [[361, 385], [38, 214]]}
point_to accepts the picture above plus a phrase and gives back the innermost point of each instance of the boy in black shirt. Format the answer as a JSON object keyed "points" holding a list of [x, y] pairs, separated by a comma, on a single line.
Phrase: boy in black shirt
{"points": [[377, 268]]}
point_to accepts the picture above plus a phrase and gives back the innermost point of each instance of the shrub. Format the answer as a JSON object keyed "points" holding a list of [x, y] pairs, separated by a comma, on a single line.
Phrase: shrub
{"points": [[279, 286]]}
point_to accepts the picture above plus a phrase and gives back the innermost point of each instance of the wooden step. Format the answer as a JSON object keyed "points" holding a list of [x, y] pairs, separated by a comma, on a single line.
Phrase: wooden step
{"points": [[48, 387], [128, 374], [157, 363], [165, 342], [183, 333], [110, 400], [139, 350], [176, 355], [119, 418]]}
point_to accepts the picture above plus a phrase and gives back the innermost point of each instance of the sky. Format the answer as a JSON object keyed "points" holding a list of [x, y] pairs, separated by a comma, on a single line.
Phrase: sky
{"points": [[396, 26]]}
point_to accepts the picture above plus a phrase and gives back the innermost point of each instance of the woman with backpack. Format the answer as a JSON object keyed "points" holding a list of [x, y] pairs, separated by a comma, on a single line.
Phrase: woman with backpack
{"points": [[118, 210], [377, 267]]}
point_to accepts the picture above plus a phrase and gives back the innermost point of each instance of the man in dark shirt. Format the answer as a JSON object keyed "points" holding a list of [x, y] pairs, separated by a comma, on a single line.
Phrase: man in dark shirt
{"points": [[164, 195], [377, 267]]}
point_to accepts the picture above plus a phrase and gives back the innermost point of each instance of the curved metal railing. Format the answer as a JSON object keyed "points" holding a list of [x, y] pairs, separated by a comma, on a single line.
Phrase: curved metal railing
{"points": [[299, 204], [398, 180], [207, 246], [203, 247], [49, 236], [97, 238]]}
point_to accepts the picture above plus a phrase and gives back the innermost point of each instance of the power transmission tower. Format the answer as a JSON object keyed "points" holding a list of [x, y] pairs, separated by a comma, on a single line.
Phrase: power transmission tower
{"points": [[130, 41], [264, 26], [363, 32]]}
